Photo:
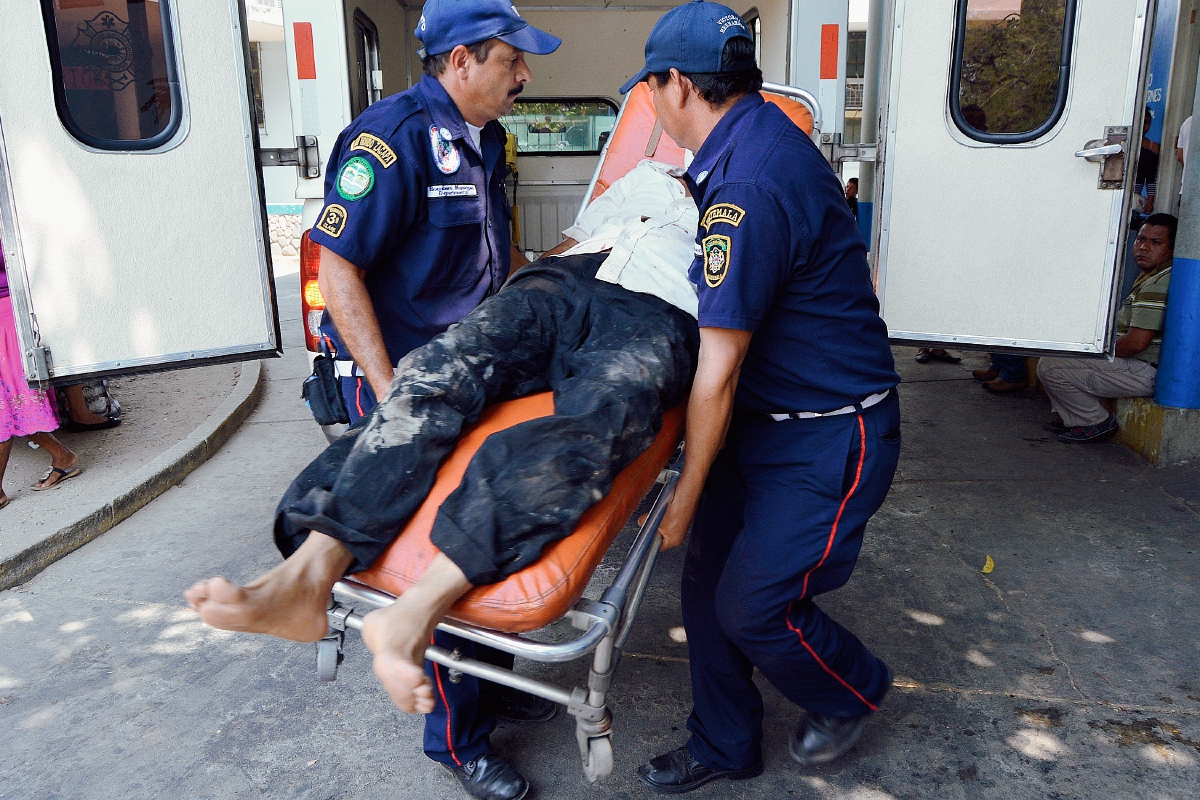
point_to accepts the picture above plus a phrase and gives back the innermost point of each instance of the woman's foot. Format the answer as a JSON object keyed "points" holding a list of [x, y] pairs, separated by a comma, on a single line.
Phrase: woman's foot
{"points": [[288, 602], [56, 475], [4, 500]]}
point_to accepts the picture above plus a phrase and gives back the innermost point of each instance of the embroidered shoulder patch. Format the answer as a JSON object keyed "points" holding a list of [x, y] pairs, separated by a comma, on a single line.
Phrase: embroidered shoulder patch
{"points": [[333, 220], [376, 147], [723, 212], [716, 259], [356, 179]]}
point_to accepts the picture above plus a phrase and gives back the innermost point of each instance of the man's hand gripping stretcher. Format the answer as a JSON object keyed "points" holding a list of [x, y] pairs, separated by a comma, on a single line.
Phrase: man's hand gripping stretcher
{"points": [[608, 326]]}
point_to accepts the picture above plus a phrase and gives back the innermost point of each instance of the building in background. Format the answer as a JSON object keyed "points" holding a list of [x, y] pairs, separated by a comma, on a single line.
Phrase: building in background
{"points": [[272, 105]]}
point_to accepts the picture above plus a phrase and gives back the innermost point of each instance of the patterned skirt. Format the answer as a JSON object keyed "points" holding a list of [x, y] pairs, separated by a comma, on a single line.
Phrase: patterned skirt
{"points": [[23, 411]]}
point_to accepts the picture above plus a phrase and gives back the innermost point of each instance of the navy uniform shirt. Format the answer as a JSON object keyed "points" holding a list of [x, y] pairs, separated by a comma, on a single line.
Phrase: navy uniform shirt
{"points": [[409, 200], [779, 254]]}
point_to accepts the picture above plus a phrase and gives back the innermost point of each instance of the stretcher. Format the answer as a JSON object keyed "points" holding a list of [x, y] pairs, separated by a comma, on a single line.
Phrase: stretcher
{"points": [[503, 615]]}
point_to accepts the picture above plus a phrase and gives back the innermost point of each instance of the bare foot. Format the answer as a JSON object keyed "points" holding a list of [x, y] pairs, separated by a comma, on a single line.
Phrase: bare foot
{"points": [[288, 602], [399, 633], [398, 638]]}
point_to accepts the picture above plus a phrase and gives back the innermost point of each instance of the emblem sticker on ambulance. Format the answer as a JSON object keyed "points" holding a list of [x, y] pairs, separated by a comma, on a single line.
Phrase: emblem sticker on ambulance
{"points": [[333, 220], [445, 154], [716, 259], [356, 179]]}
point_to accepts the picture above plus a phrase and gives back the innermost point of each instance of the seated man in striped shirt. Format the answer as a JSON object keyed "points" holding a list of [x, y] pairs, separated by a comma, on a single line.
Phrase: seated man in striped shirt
{"points": [[1076, 384]]}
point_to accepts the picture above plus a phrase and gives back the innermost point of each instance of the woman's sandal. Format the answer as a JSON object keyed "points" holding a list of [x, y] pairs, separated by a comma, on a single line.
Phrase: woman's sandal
{"points": [[63, 474], [5, 500]]}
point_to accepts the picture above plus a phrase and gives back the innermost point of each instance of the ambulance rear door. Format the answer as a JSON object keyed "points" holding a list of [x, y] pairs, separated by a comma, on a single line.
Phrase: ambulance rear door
{"points": [[1006, 132], [131, 208]]}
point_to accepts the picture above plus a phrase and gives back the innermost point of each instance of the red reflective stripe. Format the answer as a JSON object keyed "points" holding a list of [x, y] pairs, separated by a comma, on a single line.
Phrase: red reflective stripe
{"points": [[358, 397], [862, 454], [449, 738], [829, 52], [306, 60], [817, 658]]}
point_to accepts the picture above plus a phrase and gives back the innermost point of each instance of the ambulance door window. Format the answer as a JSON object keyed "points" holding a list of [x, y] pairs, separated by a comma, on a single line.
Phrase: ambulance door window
{"points": [[116, 80], [561, 126], [1011, 67], [363, 89]]}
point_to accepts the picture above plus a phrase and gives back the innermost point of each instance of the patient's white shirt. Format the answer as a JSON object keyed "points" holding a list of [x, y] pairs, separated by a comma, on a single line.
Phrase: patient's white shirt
{"points": [[648, 221]]}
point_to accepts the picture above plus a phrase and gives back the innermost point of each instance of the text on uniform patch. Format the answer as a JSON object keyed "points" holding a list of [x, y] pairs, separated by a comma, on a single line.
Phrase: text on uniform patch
{"points": [[452, 190], [723, 212], [333, 220], [376, 147]]}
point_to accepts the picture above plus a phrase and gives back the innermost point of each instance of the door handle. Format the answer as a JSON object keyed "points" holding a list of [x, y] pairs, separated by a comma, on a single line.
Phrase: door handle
{"points": [[1096, 152], [1109, 153]]}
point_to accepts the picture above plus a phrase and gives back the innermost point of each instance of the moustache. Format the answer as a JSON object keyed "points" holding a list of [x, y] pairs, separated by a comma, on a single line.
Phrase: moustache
{"points": [[516, 91]]}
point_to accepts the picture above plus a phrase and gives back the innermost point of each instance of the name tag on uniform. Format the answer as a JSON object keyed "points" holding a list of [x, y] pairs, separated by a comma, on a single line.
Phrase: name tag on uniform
{"points": [[452, 190]]}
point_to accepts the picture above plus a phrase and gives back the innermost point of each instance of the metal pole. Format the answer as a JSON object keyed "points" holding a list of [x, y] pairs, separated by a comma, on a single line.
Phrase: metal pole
{"points": [[1178, 382], [870, 112]]}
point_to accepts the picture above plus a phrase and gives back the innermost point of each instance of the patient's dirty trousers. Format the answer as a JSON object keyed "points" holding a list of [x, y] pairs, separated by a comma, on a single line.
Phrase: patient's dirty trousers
{"points": [[615, 360]]}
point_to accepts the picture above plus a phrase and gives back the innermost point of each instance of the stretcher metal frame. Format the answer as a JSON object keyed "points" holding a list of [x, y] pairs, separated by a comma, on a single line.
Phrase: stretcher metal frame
{"points": [[605, 625]]}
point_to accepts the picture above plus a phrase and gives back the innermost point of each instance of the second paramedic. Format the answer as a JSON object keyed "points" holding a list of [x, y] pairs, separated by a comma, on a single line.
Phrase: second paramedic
{"points": [[414, 234], [793, 426]]}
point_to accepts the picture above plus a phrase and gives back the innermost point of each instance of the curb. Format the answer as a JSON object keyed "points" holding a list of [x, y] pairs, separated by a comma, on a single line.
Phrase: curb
{"points": [[147, 483]]}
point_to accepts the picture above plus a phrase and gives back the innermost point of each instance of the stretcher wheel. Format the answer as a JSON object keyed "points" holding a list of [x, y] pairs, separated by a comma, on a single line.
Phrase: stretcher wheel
{"points": [[599, 761], [329, 655]]}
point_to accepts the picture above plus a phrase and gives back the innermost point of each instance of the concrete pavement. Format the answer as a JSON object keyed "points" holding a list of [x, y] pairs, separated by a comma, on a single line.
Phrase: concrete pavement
{"points": [[1067, 672]]}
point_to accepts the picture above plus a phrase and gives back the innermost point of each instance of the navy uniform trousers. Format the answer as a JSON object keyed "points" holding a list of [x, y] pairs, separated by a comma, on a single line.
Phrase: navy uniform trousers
{"points": [[781, 520], [615, 360]]}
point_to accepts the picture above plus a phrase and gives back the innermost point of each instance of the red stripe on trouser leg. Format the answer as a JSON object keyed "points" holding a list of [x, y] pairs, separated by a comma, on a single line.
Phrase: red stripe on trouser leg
{"points": [[862, 455], [442, 691], [823, 665], [358, 398]]}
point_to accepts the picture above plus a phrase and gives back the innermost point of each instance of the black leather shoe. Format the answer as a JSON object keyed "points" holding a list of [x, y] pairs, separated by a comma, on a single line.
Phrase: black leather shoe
{"points": [[490, 777], [516, 706], [677, 772], [820, 739]]}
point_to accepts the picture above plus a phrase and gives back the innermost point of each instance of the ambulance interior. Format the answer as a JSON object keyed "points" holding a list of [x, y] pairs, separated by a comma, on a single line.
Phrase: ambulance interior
{"points": [[566, 112]]}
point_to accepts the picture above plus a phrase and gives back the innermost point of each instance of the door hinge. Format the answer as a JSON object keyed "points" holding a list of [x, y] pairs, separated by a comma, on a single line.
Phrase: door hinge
{"points": [[836, 152], [1109, 152], [305, 156], [37, 363]]}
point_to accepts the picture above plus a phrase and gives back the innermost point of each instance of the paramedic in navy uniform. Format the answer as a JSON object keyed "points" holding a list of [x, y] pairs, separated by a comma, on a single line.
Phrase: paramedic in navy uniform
{"points": [[793, 426], [414, 234]]}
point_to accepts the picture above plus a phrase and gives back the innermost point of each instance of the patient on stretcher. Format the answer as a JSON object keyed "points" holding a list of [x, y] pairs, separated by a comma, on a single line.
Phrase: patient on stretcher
{"points": [[606, 321]]}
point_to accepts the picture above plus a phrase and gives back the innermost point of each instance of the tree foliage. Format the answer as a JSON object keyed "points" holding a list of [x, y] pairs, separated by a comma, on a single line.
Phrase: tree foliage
{"points": [[1010, 66]]}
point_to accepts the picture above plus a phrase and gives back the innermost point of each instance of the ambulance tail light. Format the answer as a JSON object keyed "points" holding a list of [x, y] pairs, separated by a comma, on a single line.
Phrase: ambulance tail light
{"points": [[312, 302]]}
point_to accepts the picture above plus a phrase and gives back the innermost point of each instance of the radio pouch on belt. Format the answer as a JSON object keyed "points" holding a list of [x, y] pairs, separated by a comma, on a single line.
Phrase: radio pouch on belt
{"points": [[322, 391]]}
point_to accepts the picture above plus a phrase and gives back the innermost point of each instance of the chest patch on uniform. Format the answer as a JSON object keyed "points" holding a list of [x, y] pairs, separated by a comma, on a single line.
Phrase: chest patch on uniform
{"points": [[716, 259], [356, 179], [445, 154], [452, 190], [723, 212], [333, 220], [376, 147]]}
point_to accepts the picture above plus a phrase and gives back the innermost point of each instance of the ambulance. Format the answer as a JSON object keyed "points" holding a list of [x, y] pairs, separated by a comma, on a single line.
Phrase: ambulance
{"points": [[996, 197]]}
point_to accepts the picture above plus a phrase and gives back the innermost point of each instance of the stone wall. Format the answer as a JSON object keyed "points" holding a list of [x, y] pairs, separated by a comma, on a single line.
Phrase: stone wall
{"points": [[285, 234]]}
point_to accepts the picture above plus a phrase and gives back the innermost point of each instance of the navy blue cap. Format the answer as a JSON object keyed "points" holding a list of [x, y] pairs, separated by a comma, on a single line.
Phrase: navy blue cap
{"points": [[691, 38], [445, 24]]}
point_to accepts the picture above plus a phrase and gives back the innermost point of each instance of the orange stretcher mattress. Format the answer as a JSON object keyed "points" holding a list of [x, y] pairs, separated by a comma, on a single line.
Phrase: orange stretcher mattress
{"points": [[544, 591], [638, 136]]}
